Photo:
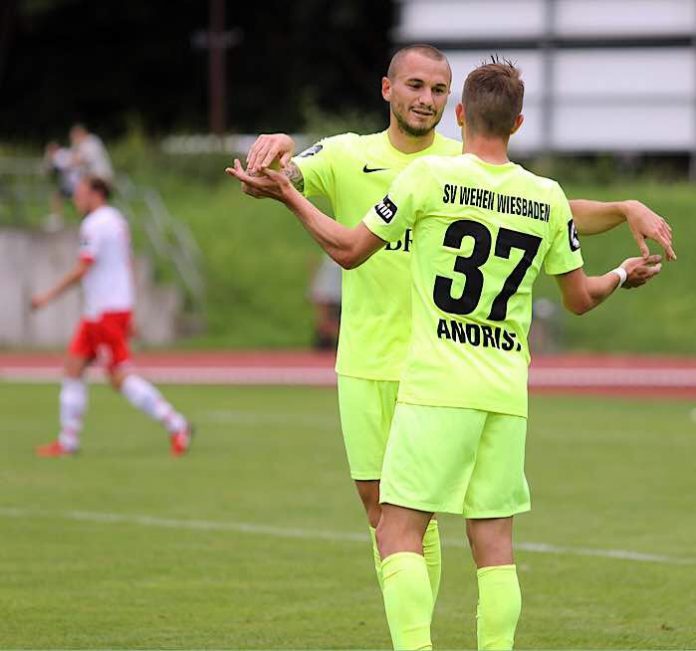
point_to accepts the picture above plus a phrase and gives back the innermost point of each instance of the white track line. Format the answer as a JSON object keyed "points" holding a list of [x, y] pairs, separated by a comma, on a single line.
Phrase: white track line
{"points": [[312, 534], [539, 377]]}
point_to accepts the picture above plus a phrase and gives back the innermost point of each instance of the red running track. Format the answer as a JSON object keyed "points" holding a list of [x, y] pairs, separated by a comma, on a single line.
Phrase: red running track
{"points": [[598, 374]]}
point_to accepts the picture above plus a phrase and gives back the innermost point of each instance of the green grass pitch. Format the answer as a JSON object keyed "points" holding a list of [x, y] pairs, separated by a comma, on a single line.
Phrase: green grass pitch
{"points": [[256, 539]]}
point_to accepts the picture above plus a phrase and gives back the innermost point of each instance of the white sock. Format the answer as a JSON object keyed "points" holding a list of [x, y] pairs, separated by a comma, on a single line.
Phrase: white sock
{"points": [[73, 402], [144, 396]]}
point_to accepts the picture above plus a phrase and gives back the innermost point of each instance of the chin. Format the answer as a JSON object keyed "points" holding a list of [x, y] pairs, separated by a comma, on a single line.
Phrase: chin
{"points": [[420, 129]]}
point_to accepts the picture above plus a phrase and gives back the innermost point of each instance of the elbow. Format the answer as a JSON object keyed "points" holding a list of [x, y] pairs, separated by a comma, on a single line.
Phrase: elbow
{"points": [[578, 306], [347, 259], [348, 263]]}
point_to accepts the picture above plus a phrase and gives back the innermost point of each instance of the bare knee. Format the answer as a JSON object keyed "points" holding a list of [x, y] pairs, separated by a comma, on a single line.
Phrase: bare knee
{"points": [[369, 496], [116, 378], [491, 541], [391, 538], [401, 530], [74, 367]]}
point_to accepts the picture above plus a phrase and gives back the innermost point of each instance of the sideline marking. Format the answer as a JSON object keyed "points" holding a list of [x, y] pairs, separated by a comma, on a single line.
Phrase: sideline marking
{"points": [[540, 377], [334, 536]]}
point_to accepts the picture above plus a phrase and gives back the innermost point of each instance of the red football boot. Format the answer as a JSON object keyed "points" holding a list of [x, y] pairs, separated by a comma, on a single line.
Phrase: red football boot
{"points": [[181, 441], [54, 449]]}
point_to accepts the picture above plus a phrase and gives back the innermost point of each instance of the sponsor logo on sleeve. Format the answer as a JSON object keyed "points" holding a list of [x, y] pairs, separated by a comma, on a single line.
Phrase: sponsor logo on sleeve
{"points": [[386, 209], [573, 239], [311, 151]]}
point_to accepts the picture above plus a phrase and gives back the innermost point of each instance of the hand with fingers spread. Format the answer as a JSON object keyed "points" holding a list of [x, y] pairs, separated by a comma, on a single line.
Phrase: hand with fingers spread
{"points": [[268, 149], [268, 184], [640, 270], [646, 224]]}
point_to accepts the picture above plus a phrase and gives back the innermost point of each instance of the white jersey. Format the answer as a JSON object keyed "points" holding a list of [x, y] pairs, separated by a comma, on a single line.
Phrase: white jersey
{"points": [[94, 159], [108, 283]]}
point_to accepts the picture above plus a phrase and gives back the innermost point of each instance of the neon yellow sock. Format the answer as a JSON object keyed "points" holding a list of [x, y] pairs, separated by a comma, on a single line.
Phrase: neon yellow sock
{"points": [[433, 556], [499, 606], [377, 558], [408, 600]]}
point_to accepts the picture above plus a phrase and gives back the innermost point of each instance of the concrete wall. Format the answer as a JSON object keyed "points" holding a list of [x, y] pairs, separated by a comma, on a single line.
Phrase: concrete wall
{"points": [[32, 261]]}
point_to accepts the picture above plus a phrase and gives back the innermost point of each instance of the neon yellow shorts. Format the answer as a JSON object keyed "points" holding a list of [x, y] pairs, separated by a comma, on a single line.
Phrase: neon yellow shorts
{"points": [[451, 460], [367, 409]]}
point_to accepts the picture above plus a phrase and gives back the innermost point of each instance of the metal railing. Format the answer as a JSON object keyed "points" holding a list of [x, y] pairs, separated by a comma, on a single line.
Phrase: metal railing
{"points": [[169, 240], [24, 195]]}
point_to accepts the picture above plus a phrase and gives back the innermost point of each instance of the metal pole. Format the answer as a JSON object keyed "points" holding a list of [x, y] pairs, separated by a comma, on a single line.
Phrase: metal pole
{"points": [[547, 99], [216, 68], [692, 102]]}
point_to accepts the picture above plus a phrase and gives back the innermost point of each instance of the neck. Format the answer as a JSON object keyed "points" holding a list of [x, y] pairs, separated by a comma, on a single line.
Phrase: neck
{"points": [[95, 206], [489, 149], [406, 143]]}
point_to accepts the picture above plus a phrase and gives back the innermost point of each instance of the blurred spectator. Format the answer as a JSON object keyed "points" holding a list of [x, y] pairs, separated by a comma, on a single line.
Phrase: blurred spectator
{"points": [[89, 155], [325, 294], [545, 331], [58, 164]]}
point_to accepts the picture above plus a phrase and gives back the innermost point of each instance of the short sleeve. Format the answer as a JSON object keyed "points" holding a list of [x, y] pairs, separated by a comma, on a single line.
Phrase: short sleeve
{"points": [[403, 204], [318, 166], [89, 242], [564, 253]]}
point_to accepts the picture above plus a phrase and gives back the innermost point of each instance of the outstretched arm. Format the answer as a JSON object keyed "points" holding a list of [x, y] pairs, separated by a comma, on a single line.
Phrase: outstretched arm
{"points": [[349, 247], [592, 217], [583, 293], [71, 278]]}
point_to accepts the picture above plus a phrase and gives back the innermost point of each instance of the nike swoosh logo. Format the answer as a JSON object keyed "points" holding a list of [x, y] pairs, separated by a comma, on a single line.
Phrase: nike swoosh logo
{"points": [[367, 169]]}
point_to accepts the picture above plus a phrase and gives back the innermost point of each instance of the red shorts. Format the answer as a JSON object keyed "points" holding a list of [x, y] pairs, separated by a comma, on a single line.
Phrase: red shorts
{"points": [[106, 338]]}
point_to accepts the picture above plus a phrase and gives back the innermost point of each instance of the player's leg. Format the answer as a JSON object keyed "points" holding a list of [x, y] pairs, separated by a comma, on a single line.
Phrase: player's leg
{"points": [[72, 400], [367, 409], [497, 491], [139, 392], [368, 491], [144, 396], [408, 598], [427, 467], [500, 599], [366, 415]]}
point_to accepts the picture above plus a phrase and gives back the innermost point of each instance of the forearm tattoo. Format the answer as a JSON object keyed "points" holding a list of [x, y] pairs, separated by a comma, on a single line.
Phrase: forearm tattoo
{"points": [[294, 174]]}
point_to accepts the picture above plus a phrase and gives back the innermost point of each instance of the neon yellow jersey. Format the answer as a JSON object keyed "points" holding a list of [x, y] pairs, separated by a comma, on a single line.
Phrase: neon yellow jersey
{"points": [[481, 233], [354, 172]]}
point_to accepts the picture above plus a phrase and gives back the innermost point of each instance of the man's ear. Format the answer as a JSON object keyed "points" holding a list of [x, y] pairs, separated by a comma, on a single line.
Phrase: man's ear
{"points": [[386, 88], [459, 112], [518, 123]]}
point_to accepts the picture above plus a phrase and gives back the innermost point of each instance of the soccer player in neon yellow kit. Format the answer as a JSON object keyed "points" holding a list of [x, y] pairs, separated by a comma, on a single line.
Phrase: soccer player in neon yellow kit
{"points": [[354, 172], [483, 228]]}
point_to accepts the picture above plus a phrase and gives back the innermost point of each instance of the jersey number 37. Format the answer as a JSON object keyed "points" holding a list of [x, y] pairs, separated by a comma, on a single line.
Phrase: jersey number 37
{"points": [[470, 267]]}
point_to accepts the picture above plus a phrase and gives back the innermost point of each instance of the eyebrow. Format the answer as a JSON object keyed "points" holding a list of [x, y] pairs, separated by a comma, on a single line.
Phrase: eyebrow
{"points": [[418, 79]]}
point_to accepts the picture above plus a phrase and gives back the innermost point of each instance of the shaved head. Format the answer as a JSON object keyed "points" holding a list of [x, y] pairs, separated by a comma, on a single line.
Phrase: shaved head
{"points": [[419, 48]]}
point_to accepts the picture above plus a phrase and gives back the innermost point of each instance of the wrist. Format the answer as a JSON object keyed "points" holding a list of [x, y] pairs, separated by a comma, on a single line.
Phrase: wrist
{"points": [[627, 207], [621, 273]]}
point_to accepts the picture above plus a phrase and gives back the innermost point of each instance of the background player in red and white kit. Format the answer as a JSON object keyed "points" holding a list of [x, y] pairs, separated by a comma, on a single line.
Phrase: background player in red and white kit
{"points": [[105, 269]]}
